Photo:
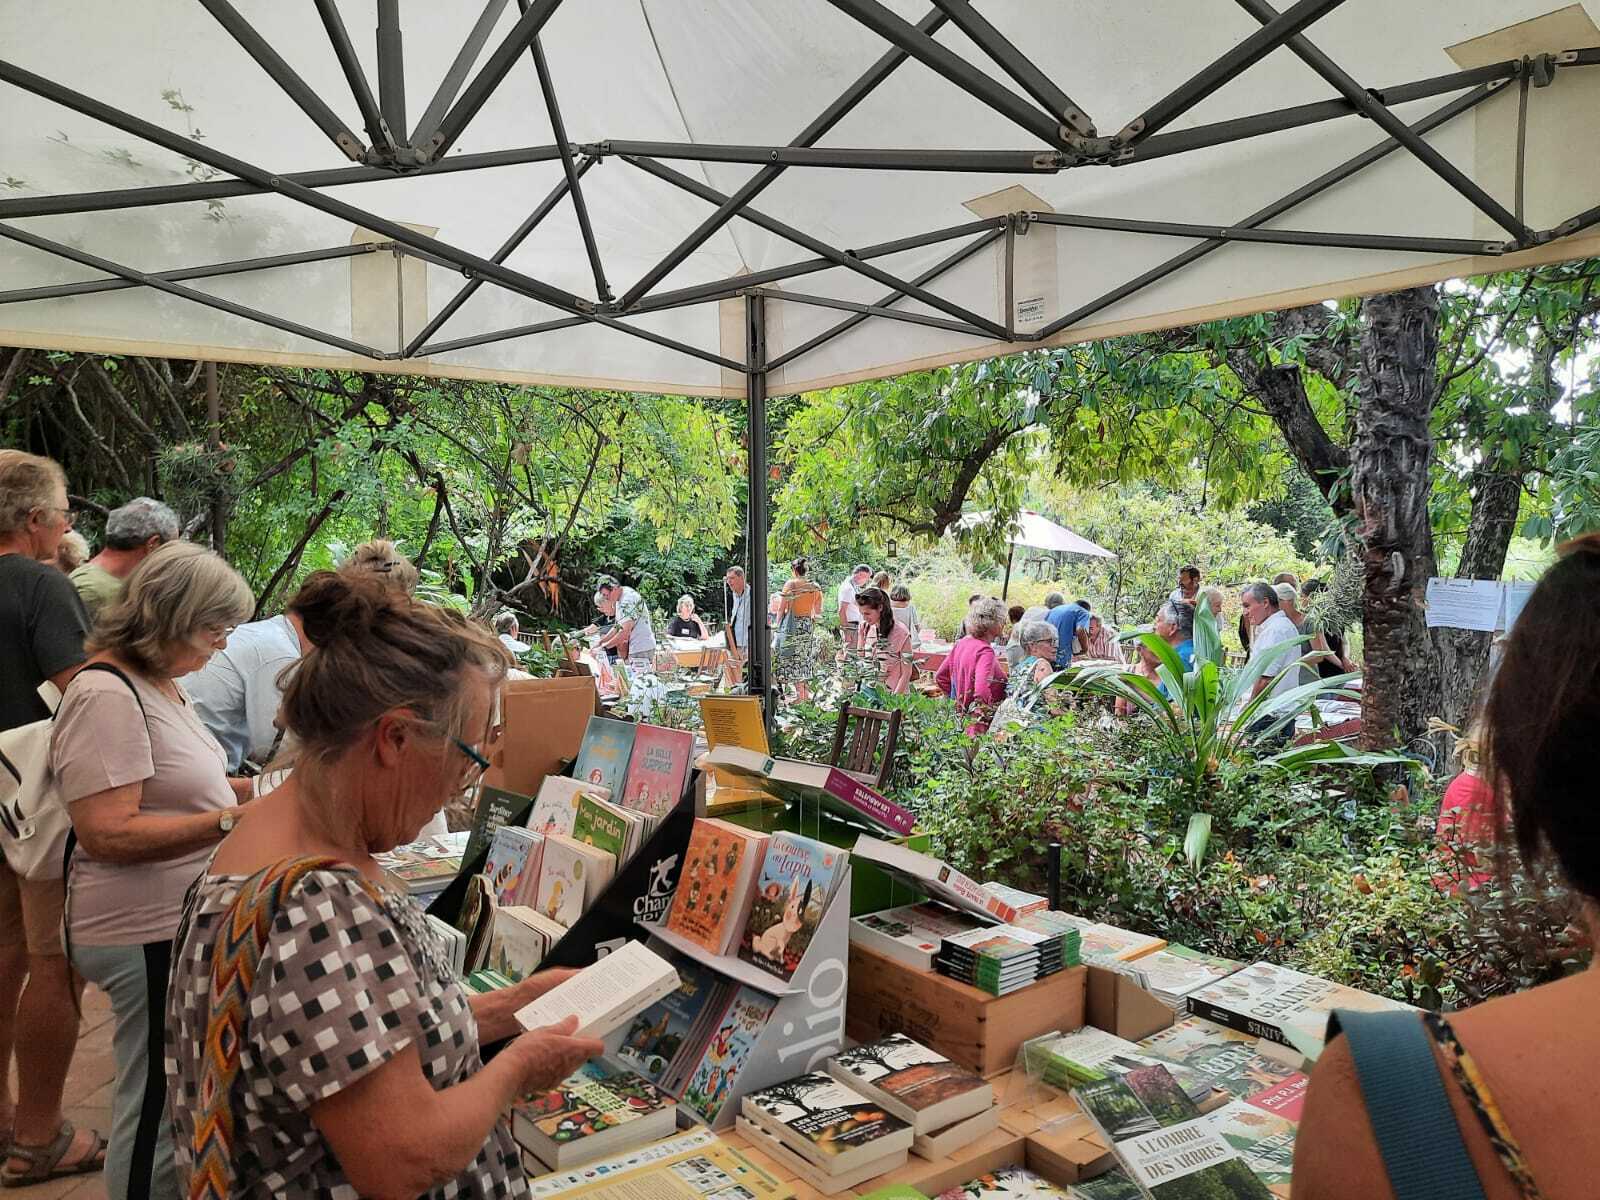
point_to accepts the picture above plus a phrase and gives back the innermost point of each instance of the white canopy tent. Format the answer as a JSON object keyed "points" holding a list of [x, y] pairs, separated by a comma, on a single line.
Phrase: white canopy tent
{"points": [[1037, 532], [727, 197]]}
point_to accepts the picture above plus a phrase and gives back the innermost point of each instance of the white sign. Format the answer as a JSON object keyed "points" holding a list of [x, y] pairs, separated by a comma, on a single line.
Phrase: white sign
{"points": [[1483, 604], [1516, 599]]}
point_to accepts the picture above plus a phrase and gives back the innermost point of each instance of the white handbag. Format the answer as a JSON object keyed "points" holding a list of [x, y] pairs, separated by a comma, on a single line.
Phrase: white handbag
{"points": [[33, 819]]}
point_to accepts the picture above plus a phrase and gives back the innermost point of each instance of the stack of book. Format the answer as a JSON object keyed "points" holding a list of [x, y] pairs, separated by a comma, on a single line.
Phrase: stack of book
{"points": [[1232, 1063], [696, 1165], [1172, 973], [424, 867], [1286, 1009], [913, 933], [1023, 902], [1002, 958], [1091, 1055], [695, 1042], [1097, 942], [595, 1112], [947, 1106], [831, 1136], [1164, 1143]]}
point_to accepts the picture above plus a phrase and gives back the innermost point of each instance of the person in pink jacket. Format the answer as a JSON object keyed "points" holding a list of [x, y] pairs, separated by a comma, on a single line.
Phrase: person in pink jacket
{"points": [[885, 639], [978, 676]]}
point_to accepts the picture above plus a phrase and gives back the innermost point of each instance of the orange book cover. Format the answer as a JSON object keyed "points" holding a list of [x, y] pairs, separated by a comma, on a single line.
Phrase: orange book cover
{"points": [[714, 886]]}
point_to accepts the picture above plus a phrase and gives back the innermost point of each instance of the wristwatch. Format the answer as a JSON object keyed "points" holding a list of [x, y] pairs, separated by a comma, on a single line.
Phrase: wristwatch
{"points": [[226, 820]]}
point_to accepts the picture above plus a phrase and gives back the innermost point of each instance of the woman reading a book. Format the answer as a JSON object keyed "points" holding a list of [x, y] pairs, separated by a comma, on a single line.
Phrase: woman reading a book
{"points": [[319, 1042], [884, 641], [1518, 1073]]}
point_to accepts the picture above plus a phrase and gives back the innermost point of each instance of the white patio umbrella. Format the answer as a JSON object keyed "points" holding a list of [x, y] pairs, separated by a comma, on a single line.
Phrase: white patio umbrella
{"points": [[1037, 532]]}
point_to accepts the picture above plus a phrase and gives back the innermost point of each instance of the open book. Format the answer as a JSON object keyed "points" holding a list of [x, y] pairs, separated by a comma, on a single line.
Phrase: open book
{"points": [[606, 995]]}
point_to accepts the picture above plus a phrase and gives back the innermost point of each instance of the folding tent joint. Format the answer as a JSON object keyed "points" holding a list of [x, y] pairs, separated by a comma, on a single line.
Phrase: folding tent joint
{"points": [[1541, 70], [1088, 150]]}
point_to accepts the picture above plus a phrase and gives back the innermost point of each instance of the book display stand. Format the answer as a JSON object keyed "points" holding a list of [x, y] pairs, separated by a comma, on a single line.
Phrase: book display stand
{"points": [[807, 1025], [641, 891]]}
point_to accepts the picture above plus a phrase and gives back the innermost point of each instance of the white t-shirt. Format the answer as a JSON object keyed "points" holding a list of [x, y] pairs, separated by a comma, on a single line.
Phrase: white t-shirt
{"points": [[236, 694], [631, 607], [847, 597], [1270, 654]]}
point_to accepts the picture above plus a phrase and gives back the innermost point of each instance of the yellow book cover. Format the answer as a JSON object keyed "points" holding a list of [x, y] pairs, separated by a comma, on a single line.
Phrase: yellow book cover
{"points": [[734, 721]]}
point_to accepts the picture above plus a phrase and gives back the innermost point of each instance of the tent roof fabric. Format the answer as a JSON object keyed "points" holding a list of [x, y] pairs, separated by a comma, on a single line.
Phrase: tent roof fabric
{"points": [[1041, 533], [566, 193]]}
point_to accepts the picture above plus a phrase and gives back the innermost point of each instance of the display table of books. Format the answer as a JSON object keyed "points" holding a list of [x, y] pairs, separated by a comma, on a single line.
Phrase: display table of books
{"points": [[966, 1040]]}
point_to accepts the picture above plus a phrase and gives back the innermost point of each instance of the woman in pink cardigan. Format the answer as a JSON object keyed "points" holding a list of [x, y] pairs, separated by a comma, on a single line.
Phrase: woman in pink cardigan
{"points": [[886, 640], [978, 675]]}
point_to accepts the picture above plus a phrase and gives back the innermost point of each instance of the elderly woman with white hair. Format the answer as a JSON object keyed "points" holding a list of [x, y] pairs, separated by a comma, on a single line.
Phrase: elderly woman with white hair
{"points": [[685, 622], [346, 1060], [1025, 687], [147, 788], [977, 676]]}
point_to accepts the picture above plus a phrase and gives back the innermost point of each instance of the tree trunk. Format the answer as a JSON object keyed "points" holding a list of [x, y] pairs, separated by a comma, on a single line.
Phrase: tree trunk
{"points": [[1390, 457], [1464, 653]]}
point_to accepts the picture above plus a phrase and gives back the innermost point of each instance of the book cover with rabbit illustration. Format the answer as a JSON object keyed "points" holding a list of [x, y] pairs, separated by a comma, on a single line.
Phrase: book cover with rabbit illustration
{"points": [[797, 878]]}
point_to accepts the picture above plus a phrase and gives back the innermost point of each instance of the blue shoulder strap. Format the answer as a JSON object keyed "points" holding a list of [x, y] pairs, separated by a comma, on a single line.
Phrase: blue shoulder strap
{"points": [[1412, 1121]]}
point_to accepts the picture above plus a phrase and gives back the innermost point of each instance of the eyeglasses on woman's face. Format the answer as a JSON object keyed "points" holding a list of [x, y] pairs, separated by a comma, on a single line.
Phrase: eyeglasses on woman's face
{"points": [[217, 635], [479, 764], [68, 515]]}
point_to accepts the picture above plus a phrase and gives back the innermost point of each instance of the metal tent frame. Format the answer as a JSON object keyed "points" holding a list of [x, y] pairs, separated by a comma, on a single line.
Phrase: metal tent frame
{"points": [[1061, 135]]}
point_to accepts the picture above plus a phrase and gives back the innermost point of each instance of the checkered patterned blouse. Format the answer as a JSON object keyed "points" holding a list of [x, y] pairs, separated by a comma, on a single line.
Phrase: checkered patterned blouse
{"points": [[344, 984]]}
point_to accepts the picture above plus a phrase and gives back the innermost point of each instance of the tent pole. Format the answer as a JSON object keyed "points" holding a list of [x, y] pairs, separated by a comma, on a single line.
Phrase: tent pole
{"points": [[1005, 588], [547, 86], [471, 47], [1017, 65], [1368, 106], [758, 671], [1276, 237], [391, 68], [237, 267], [339, 37]]}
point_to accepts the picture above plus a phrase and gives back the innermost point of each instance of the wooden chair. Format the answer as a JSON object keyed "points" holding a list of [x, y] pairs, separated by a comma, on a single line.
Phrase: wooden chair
{"points": [[857, 758]]}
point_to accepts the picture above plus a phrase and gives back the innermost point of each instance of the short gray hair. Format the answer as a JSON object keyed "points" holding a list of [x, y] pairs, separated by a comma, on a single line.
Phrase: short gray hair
{"points": [[739, 571], [72, 551], [986, 615], [1286, 593], [1180, 616], [139, 520], [27, 482], [1054, 600], [1264, 592], [505, 621], [175, 593], [1029, 632], [901, 592]]}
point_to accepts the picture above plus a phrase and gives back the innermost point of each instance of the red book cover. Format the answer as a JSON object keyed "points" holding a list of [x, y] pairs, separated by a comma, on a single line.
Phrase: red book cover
{"points": [[656, 770], [870, 803], [1286, 1100]]}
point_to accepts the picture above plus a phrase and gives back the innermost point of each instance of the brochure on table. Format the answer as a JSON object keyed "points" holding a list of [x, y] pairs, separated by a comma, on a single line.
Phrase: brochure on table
{"points": [[807, 1026]]}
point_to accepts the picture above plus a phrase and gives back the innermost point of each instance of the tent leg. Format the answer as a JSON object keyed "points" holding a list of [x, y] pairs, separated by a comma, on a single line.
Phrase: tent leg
{"points": [[1005, 588], [758, 674]]}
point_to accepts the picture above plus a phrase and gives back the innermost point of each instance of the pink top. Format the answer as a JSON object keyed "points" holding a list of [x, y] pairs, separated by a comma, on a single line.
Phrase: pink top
{"points": [[1466, 824], [979, 683], [890, 653]]}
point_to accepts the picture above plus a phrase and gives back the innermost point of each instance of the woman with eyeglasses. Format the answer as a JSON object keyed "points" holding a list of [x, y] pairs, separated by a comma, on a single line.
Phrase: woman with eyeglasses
{"points": [[147, 788], [347, 1061]]}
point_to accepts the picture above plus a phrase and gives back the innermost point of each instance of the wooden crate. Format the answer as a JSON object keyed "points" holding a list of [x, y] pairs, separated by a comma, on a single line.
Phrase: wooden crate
{"points": [[981, 1032]]}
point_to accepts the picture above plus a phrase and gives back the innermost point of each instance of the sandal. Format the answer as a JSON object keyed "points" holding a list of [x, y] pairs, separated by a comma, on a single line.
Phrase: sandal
{"points": [[44, 1162]]}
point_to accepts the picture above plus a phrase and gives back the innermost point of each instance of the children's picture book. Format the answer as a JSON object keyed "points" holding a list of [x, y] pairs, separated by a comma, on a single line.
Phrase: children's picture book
{"points": [[1156, 1131], [518, 944], [555, 809], [827, 1123], [655, 1037], [1227, 1058], [915, 1083], [797, 879], [597, 824], [657, 769], [496, 807], [596, 1111], [603, 754], [715, 884], [726, 1053], [513, 864], [568, 879]]}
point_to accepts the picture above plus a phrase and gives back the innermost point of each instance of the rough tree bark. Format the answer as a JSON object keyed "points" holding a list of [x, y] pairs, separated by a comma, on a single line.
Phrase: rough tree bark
{"points": [[1464, 653], [1389, 483]]}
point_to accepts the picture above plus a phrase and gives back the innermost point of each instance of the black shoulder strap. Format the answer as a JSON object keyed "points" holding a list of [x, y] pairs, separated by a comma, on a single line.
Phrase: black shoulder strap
{"points": [[1412, 1121], [112, 669]]}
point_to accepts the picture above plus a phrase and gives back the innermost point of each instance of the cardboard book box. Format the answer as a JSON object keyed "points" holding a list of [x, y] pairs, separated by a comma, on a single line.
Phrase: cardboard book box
{"points": [[982, 1032], [542, 723]]}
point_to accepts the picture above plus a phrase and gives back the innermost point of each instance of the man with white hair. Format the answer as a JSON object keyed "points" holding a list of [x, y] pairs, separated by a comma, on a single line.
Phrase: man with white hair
{"points": [[1288, 605], [132, 532]]}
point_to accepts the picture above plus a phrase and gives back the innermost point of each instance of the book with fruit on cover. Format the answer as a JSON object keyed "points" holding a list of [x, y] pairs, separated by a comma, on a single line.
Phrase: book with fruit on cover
{"points": [[938, 879], [712, 900], [555, 808], [915, 1083], [798, 877], [656, 1036], [1163, 1142], [1229, 1059], [726, 1052], [913, 933], [1280, 1005], [512, 866], [657, 769], [1264, 1141], [596, 1111], [603, 754], [826, 1123], [792, 779]]}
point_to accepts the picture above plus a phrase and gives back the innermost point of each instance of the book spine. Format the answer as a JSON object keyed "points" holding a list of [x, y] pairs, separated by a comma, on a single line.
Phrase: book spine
{"points": [[869, 803], [1236, 1020]]}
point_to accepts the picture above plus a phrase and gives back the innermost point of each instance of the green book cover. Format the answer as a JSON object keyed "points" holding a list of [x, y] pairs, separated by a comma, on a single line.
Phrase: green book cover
{"points": [[895, 1191], [598, 827]]}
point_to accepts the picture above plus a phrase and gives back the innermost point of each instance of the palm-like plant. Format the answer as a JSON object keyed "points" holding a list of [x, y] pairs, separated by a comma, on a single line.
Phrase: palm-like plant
{"points": [[1207, 716]]}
